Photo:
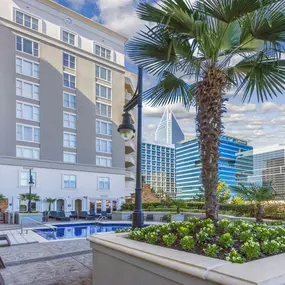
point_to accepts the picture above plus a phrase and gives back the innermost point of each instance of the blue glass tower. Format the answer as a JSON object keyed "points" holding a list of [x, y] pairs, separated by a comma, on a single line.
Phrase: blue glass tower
{"points": [[188, 165]]}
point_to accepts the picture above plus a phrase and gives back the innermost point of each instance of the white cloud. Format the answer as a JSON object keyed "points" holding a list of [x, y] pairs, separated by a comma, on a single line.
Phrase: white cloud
{"points": [[77, 4], [272, 107], [241, 108]]}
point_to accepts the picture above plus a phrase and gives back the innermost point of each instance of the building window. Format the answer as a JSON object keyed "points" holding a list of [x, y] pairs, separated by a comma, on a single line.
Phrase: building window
{"points": [[27, 46], [103, 91], [69, 100], [103, 145], [27, 89], [28, 111], [104, 161], [27, 21], [68, 60], [27, 67], [68, 38], [103, 128], [68, 80], [103, 110], [103, 73], [25, 178], [69, 140], [69, 157], [104, 183], [28, 152], [69, 120], [28, 133], [69, 181], [102, 52]]}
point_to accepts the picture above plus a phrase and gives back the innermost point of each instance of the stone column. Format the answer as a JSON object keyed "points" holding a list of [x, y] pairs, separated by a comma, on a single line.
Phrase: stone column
{"points": [[103, 208]]}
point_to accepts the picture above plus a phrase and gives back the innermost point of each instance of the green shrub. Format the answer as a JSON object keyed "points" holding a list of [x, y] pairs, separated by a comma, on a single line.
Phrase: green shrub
{"points": [[202, 236], [270, 247], [163, 230], [209, 229], [234, 257], [226, 240], [223, 224], [251, 249], [211, 250], [169, 239], [183, 231], [187, 243], [136, 235], [151, 238], [245, 235]]}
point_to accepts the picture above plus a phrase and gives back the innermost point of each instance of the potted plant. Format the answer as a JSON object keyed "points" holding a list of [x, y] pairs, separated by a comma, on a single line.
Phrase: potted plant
{"points": [[178, 217]]}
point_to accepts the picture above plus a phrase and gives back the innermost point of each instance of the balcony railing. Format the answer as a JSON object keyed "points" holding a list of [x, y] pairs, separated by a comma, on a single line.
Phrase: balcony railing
{"points": [[129, 160], [130, 176], [130, 147]]}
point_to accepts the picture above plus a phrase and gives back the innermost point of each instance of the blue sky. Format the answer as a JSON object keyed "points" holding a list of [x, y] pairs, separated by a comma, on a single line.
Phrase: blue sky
{"points": [[260, 124]]}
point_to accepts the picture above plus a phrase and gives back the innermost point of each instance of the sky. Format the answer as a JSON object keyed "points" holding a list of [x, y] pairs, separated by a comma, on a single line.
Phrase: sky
{"points": [[260, 124]]}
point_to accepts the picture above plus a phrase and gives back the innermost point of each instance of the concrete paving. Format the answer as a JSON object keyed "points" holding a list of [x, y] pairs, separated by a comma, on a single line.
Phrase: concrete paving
{"points": [[53, 263]]}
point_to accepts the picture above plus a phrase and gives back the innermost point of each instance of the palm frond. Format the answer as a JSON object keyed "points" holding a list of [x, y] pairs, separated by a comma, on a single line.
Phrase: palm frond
{"points": [[170, 90], [231, 10]]}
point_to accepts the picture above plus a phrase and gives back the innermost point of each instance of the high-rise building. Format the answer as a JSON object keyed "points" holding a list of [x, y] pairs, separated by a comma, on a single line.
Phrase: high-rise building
{"points": [[62, 95], [188, 165], [168, 130], [158, 167], [268, 166]]}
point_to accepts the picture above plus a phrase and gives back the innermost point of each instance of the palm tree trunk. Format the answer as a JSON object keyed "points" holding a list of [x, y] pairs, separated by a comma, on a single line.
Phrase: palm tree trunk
{"points": [[259, 213], [209, 122]]}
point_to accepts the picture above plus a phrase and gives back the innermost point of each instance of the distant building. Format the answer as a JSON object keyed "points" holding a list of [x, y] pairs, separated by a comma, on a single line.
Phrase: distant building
{"points": [[268, 166], [188, 165], [168, 130], [158, 167]]}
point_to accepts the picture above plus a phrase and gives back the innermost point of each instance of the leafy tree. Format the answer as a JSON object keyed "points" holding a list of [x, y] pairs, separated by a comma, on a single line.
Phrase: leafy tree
{"points": [[257, 194], [2, 197], [160, 193], [179, 203], [50, 201], [224, 195], [237, 200], [202, 50]]}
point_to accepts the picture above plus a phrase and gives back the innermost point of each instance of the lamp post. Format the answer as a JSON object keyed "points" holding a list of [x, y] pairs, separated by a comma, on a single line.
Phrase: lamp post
{"points": [[127, 131], [31, 183]]}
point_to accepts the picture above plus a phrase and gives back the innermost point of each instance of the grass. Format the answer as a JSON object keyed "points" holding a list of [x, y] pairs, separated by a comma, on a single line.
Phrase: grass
{"points": [[237, 242]]}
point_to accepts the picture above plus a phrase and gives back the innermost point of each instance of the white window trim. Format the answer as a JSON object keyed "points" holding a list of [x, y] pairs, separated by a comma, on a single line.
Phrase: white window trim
{"points": [[99, 138], [70, 32], [102, 121], [62, 181], [69, 54], [33, 148], [70, 133], [32, 61], [107, 86], [25, 103], [69, 94], [28, 14], [19, 179], [104, 80], [66, 72], [98, 187], [109, 104], [29, 82], [31, 126], [105, 47], [27, 38], [68, 113], [105, 157], [68, 152]]}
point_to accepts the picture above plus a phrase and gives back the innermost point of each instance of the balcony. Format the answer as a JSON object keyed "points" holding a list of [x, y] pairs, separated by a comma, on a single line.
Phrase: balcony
{"points": [[129, 161], [128, 96], [130, 176], [130, 147]]}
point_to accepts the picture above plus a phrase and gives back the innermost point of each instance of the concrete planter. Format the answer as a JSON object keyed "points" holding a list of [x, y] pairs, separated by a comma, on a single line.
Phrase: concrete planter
{"points": [[139, 263], [177, 217], [28, 218]]}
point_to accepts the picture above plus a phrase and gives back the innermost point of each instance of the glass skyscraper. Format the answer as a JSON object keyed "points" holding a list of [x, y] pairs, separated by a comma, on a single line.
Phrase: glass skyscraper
{"points": [[188, 165], [158, 167], [168, 130]]}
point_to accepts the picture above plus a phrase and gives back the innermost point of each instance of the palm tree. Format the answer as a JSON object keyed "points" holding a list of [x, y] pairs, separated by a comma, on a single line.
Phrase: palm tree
{"points": [[256, 193], [50, 201], [218, 45]]}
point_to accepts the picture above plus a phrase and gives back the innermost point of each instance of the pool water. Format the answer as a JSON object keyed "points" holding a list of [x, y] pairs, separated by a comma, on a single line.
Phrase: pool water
{"points": [[70, 231]]}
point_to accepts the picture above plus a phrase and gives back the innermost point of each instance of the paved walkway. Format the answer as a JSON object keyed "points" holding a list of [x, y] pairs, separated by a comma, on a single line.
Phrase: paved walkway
{"points": [[53, 263]]}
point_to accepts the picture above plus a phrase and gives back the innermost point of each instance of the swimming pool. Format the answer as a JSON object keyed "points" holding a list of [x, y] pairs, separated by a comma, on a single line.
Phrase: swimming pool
{"points": [[70, 231]]}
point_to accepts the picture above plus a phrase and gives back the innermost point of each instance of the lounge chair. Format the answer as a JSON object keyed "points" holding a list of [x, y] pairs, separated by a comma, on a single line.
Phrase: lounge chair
{"points": [[73, 215], [84, 215], [61, 216], [164, 218], [149, 217], [53, 214], [92, 213]]}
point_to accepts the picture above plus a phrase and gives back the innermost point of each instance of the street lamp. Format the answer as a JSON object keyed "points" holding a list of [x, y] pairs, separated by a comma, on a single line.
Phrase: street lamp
{"points": [[31, 183], [127, 131]]}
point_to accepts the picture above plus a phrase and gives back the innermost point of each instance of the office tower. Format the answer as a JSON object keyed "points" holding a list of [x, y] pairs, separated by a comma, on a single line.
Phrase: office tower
{"points": [[168, 130], [268, 166], [188, 165], [158, 167], [62, 95]]}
